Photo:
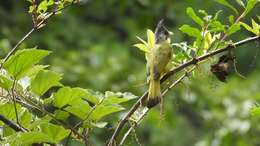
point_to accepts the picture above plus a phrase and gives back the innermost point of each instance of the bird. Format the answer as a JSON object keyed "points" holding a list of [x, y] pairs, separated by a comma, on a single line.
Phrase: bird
{"points": [[157, 59]]}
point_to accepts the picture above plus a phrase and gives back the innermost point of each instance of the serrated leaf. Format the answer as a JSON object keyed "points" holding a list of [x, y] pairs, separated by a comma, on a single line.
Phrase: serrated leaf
{"points": [[116, 98], [104, 110], [32, 72], [233, 28], [79, 108], [91, 96], [44, 80], [68, 96], [142, 47], [227, 4], [22, 60], [250, 5], [191, 31], [54, 132], [194, 17]]}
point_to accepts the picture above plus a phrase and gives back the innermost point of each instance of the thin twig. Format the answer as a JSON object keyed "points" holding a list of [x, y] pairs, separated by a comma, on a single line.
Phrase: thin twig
{"points": [[39, 108], [16, 46], [89, 113], [13, 96], [163, 94], [208, 55], [12, 124], [28, 34], [173, 71], [68, 139]]}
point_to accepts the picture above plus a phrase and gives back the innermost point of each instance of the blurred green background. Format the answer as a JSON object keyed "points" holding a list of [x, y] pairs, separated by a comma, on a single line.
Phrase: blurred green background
{"points": [[92, 45]]}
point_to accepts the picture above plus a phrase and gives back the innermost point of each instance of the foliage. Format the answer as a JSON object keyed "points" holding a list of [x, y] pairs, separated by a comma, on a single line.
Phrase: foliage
{"points": [[48, 111]]}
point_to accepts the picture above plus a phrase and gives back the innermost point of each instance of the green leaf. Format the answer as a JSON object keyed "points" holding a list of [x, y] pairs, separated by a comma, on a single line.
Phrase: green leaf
{"points": [[91, 96], [54, 132], [179, 57], [68, 96], [191, 31], [61, 115], [89, 124], [7, 110], [43, 6], [216, 26], [241, 3], [27, 138], [227, 4], [22, 60], [203, 12], [231, 19], [194, 17], [5, 82], [79, 108], [44, 80], [256, 27], [7, 131], [250, 5], [115, 98], [104, 110], [207, 41], [32, 72], [233, 28], [216, 15], [39, 121], [247, 27], [25, 118], [255, 111], [99, 124]]}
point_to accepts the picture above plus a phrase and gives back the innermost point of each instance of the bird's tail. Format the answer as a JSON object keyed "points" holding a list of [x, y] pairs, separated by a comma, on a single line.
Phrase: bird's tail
{"points": [[154, 95]]}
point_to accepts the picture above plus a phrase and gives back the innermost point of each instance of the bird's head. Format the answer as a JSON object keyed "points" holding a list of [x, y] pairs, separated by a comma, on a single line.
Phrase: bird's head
{"points": [[162, 33]]}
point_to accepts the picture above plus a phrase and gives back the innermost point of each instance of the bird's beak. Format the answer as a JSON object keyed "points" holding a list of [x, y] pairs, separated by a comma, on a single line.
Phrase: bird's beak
{"points": [[170, 33]]}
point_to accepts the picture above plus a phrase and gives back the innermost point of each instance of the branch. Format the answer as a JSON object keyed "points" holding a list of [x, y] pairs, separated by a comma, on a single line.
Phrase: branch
{"points": [[12, 124], [163, 94], [208, 55], [171, 73], [28, 34]]}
